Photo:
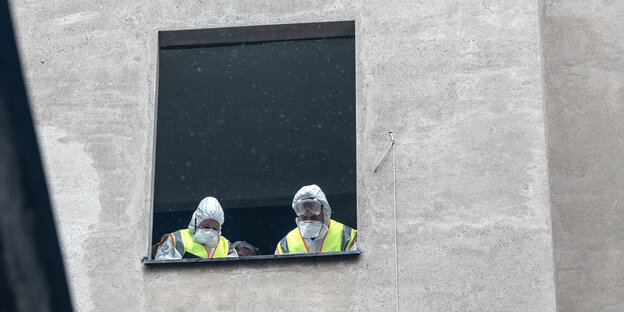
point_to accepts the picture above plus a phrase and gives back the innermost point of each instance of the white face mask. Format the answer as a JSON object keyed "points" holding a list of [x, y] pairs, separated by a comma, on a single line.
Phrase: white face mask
{"points": [[208, 237], [309, 228]]}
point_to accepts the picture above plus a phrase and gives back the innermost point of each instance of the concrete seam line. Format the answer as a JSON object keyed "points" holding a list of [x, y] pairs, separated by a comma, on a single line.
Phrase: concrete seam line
{"points": [[396, 253]]}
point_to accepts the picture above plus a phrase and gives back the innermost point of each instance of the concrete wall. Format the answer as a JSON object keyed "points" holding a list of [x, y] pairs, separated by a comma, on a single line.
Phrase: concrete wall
{"points": [[459, 81], [584, 62]]}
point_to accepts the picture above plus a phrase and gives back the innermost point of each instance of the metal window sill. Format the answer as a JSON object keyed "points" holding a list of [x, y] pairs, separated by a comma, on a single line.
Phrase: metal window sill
{"points": [[325, 255]]}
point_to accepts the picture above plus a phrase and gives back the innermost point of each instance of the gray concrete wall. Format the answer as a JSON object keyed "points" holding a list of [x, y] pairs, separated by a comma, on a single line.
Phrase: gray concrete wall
{"points": [[460, 82], [584, 62]]}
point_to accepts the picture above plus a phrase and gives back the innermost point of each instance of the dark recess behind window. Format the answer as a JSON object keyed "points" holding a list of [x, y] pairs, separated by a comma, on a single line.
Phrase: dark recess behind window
{"points": [[251, 124]]}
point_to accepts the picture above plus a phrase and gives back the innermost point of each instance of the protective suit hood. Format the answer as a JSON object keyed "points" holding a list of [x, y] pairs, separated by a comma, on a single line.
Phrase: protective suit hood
{"points": [[208, 208], [314, 191]]}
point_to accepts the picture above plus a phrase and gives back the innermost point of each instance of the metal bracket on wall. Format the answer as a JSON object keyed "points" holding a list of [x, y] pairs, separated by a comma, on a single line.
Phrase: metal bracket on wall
{"points": [[387, 150], [396, 255]]}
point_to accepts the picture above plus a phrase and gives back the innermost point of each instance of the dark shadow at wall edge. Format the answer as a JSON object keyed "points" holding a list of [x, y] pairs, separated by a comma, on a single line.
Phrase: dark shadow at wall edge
{"points": [[32, 277]]}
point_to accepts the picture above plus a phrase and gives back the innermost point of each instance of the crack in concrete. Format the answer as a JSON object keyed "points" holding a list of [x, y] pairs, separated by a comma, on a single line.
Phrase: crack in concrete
{"points": [[487, 7]]}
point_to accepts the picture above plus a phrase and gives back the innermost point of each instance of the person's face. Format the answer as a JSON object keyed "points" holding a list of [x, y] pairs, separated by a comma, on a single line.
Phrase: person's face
{"points": [[210, 224], [243, 251], [308, 215]]}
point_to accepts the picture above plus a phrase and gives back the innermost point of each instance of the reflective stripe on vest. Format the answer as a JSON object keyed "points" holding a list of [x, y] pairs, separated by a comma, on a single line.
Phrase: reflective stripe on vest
{"points": [[282, 247], [175, 238], [177, 242], [339, 237], [200, 250], [348, 238]]}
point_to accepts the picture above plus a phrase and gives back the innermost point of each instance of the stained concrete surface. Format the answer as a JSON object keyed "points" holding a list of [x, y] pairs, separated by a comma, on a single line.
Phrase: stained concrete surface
{"points": [[583, 59], [459, 81]]}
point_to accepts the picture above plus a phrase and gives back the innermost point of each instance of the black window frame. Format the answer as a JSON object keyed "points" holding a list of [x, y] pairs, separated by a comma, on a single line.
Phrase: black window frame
{"points": [[215, 37]]}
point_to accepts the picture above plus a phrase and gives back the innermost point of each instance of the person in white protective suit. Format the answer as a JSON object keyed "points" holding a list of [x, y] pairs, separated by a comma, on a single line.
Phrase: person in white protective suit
{"points": [[202, 238], [316, 231]]}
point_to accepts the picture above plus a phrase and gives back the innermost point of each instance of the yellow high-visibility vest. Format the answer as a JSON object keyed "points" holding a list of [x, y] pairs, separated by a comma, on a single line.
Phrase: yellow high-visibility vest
{"points": [[183, 242], [339, 237]]}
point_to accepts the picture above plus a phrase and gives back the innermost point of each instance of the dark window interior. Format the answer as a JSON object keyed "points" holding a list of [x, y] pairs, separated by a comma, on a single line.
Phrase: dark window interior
{"points": [[249, 118]]}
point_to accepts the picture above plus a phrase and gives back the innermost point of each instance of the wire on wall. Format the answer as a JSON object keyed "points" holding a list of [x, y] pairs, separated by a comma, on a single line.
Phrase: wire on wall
{"points": [[396, 253]]}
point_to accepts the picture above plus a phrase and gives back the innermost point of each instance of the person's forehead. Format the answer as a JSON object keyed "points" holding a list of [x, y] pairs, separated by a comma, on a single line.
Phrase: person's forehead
{"points": [[244, 251], [210, 222]]}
